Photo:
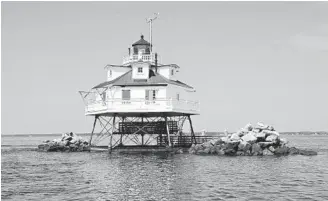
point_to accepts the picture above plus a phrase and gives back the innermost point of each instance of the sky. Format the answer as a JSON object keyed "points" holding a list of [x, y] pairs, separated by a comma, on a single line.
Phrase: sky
{"points": [[248, 61]]}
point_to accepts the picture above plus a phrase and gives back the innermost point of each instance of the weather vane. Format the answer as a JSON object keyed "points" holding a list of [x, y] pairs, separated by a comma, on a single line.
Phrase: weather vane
{"points": [[150, 21]]}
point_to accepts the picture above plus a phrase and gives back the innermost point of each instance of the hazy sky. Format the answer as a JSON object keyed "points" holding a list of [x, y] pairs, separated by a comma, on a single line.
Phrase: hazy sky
{"points": [[249, 62]]}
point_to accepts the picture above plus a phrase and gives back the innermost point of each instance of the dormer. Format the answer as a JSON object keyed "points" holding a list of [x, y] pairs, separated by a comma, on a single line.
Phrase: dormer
{"points": [[168, 71], [115, 71], [140, 70]]}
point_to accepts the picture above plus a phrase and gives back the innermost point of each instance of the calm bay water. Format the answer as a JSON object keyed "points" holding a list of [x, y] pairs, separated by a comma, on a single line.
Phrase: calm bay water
{"points": [[30, 175]]}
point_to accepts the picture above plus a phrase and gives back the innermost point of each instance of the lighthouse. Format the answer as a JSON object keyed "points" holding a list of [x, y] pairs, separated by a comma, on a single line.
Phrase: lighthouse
{"points": [[141, 104]]}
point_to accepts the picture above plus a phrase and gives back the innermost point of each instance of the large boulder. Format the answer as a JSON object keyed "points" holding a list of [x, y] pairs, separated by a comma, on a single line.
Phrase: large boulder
{"points": [[266, 152], [244, 146], [213, 142], [281, 151], [192, 149], [256, 130], [248, 127], [225, 139], [235, 137], [207, 150], [283, 141], [256, 150], [220, 152], [263, 126], [198, 147], [242, 132], [268, 132], [250, 138], [219, 141], [231, 145], [265, 144], [213, 150], [272, 138], [217, 148], [260, 136], [230, 152], [271, 149], [207, 145]]}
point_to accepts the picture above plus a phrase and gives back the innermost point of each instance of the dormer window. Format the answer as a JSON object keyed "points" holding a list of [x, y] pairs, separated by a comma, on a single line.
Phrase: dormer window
{"points": [[172, 72], [110, 73], [140, 69]]}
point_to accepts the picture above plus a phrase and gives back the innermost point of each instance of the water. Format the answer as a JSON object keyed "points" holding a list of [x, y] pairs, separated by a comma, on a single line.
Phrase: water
{"points": [[31, 175]]}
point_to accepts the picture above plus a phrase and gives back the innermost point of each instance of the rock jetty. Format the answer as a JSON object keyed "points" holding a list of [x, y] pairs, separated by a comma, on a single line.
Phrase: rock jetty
{"points": [[69, 142], [251, 140]]}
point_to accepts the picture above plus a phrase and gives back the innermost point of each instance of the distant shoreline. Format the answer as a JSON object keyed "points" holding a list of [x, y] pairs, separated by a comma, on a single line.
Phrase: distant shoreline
{"points": [[196, 133]]}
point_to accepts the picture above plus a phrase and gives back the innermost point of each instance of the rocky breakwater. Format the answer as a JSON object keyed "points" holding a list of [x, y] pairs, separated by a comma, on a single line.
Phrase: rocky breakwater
{"points": [[249, 141], [69, 142]]}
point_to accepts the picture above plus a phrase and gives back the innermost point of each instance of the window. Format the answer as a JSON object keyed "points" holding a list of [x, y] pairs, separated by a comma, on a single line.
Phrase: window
{"points": [[147, 94], [154, 95], [140, 69], [150, 95], [172, 72], [126, 94], [110, 73], [178, 96]]}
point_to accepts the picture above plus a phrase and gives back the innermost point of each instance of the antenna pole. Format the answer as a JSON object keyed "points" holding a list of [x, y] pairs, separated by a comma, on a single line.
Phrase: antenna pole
{"points": [[150, 21]]}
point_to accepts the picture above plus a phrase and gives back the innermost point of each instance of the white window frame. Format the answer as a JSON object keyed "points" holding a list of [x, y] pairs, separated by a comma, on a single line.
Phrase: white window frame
{"points": [[151, 96], [154, 94], [139, 69], [126, 101]]}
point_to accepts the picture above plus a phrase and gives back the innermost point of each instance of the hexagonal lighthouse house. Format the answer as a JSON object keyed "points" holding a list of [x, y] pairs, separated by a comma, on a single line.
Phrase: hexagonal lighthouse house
{"points": [[141, 105]]}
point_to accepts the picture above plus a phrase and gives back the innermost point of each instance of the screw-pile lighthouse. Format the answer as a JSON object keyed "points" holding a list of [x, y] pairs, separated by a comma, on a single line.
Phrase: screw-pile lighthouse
{"points": [[141, 104]]}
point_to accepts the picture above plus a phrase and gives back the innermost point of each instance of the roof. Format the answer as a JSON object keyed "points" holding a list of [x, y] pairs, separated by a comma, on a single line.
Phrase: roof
{"points": [[116, 66], [142, 41], [155, 79], [167, 65]]}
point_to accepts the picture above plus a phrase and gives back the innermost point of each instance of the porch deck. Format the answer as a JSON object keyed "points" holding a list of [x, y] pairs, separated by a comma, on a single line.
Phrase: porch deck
{"points": [[178, 142], [142, 106]]}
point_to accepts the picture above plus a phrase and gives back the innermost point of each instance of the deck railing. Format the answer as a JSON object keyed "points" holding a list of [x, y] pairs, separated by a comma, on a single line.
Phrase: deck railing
{"points": [[142, 105], [144, 57]]}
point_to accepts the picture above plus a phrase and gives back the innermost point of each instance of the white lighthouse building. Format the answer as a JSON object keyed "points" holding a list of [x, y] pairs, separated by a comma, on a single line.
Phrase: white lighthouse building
{"points": [[142, 103]]}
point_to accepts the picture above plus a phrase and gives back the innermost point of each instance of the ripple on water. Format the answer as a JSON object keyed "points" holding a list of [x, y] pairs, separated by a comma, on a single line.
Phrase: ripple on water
{"points": [[31, 175]]}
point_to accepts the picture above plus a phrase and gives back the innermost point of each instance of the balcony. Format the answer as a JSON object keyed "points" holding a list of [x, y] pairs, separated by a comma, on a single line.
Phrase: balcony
{"points": [[144, 57], [141, 106]]}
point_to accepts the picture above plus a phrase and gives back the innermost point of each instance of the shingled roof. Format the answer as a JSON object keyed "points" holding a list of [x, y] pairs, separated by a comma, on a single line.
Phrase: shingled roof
{"points": [[142, 41], [155, 79]]}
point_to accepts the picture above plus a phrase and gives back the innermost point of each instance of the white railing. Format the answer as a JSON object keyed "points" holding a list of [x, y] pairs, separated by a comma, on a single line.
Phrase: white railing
{"points": [[144, 57], [142, 105]]}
